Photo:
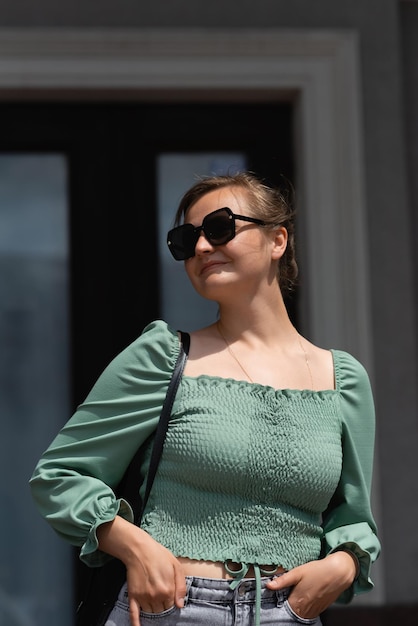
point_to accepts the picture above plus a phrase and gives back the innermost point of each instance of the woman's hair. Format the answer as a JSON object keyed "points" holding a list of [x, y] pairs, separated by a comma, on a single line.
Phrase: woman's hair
{"points": [[265, 203]]}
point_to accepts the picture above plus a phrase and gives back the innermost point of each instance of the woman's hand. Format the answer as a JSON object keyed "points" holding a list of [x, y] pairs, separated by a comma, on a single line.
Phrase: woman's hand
{"points": [[155, 578], [317, 584]]}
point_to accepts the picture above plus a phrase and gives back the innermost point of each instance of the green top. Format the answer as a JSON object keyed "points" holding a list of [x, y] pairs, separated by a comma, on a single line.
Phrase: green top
{"points": [[249, 473]]}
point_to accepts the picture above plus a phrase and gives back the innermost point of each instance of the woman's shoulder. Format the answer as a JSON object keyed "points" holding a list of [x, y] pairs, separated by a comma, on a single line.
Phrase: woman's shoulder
{"points": [[157, 338], [158, 330], [350, 373], [154, 350]]}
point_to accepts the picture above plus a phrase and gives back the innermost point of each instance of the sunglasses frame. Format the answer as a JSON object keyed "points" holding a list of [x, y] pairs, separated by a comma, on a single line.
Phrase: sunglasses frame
{"points": [[187, 252]]}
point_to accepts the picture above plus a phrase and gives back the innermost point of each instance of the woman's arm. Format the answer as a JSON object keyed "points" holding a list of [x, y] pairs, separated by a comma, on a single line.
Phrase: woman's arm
{"points": [[348, 522], [73, 482]]}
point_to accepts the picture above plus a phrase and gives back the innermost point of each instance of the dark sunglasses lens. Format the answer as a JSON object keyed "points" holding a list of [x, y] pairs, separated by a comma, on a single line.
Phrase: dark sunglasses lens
{"points": [[219, 227], [182, 241]]}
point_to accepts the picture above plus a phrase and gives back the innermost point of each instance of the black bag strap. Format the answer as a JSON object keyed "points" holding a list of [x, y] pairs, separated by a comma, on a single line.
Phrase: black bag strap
{"points": [[161, 431]]}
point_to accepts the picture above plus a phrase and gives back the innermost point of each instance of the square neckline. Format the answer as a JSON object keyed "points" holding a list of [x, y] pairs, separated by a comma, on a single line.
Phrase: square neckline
{"points": [[284, 390]]}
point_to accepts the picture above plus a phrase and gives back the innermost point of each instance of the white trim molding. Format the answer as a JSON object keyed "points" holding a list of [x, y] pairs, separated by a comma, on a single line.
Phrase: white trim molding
{"points": [[318, 70]]}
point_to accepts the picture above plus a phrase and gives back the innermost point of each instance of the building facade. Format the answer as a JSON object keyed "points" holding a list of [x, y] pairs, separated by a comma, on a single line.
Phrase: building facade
{"points": [[94, 98]]}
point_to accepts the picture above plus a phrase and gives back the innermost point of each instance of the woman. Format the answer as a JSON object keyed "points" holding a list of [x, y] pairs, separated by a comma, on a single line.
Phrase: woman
{"points": [[260, 511]]}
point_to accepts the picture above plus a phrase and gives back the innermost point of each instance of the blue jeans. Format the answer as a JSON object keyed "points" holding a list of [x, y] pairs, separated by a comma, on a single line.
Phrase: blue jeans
{"points": [[211, 602]]}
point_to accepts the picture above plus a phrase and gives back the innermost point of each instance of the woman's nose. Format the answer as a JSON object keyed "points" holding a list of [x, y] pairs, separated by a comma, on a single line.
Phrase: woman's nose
{"points": [[202, 245]]}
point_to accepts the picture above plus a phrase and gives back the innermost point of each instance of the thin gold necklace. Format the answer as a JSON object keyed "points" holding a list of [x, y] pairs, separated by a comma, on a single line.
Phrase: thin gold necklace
{"points": [[306, 361], [231, 352], [234, 356]]}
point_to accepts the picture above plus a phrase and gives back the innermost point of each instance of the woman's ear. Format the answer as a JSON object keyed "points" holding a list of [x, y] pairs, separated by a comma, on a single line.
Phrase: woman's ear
{"points": [[279, 242]]}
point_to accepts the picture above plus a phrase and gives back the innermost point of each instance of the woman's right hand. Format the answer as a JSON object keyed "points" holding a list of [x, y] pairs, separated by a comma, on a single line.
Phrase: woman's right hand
{"points": [[155, 578], [156, 581]]}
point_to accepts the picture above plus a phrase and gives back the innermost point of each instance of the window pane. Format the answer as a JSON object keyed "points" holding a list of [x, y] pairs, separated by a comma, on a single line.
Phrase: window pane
{"points": [[181, 306], [35, 566]]}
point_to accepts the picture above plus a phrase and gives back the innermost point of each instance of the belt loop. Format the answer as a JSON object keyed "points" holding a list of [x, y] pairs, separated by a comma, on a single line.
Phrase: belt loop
{"points": [[189, 580], [281, 594]]}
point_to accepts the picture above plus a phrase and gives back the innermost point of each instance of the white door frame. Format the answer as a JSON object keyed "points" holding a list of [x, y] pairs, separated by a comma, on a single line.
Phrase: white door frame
{"points": [[317, 70]]}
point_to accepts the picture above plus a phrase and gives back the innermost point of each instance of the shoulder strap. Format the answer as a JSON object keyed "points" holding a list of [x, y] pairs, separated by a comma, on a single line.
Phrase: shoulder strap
{"points": [[161, 431]]}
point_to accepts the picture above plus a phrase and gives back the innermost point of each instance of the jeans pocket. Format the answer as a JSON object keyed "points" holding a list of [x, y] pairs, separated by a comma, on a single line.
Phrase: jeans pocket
{"points": [[297, 618], [152, 618], [119, 615]]}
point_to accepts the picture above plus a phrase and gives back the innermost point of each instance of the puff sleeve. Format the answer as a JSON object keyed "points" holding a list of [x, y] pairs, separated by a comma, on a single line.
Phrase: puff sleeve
{"points": [[348, 522], [72, 482]]}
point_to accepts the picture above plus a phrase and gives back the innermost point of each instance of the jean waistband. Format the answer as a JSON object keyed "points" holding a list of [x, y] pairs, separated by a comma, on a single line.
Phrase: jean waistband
{"points": [[221, 589]]}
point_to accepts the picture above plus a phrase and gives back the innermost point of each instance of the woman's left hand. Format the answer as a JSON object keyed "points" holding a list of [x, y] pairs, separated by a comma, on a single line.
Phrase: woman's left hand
{"points": [[317, 584]]}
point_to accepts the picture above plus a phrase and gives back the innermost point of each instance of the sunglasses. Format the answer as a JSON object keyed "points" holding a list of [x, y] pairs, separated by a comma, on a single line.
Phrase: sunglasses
{"points": [[218, 228]]}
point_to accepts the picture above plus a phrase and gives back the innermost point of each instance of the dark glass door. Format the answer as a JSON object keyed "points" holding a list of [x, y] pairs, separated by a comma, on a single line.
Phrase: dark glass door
{"points": [[111, 151]]}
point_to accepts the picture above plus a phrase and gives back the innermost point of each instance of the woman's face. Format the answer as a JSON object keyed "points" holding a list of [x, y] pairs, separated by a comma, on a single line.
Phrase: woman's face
{"points": [[242, 264]]}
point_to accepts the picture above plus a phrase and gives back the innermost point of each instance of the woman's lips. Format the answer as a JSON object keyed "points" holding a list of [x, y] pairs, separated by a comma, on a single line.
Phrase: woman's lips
{"points": [[211, 264]]}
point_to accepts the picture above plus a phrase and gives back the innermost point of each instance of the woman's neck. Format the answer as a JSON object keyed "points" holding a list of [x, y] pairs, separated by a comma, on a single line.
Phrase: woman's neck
{"points": [[265, 320]]}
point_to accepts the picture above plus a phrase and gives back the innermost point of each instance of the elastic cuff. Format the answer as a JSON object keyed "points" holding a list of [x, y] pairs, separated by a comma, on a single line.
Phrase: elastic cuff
{"points": [[362, 582], [354, 557], [90, 553]]}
